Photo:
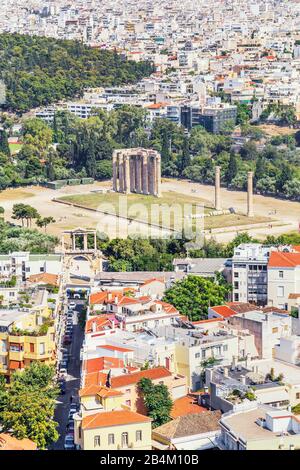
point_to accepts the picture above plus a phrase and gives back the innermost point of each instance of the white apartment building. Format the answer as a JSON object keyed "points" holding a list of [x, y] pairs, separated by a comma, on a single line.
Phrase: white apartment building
{"points": [[24, 264], [283, 278], [249, 273], [267, 329]]}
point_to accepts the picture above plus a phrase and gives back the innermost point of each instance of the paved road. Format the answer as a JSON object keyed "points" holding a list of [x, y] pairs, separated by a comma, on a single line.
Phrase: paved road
{"points": [[72, 384]]}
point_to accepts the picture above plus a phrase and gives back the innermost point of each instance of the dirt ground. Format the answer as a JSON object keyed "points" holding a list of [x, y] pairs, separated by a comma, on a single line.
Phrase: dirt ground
{"points": [[273, 130], [285, 215]]}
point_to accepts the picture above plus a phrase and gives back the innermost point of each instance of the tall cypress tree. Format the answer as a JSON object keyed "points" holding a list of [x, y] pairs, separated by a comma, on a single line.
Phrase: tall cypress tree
{"points": [[4, 147]]}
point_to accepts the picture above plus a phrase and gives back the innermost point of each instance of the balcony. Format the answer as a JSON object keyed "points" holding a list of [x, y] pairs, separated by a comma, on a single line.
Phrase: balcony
{"points": [[36, 356], [16, 355]]}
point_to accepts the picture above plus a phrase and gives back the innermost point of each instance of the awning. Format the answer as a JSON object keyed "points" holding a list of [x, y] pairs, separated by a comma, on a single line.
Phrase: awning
{"points": [[15, 365], [272, 396], [159, 445], [197, 444]]}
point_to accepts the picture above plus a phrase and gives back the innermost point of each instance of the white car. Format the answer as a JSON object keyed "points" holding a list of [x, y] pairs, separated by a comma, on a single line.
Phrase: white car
{"points": [[69, 442], [72, 305]]}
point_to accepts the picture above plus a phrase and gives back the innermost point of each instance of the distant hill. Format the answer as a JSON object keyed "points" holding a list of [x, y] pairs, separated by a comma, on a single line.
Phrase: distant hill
{"points": [[38, 71]]}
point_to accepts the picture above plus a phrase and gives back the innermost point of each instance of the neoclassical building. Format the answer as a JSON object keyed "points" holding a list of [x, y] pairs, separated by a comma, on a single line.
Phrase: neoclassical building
{"points": [[137, 170]]}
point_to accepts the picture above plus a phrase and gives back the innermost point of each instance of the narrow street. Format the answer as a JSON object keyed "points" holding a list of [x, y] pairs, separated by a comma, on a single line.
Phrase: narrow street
{"points": [[72, 381]]}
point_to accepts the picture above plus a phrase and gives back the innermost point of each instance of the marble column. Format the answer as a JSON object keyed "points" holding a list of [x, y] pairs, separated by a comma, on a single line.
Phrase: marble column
{"points": [[85, 242], [158, 176], [250, 212], [121, 174], [115, 173], [217, 189], [138, 174], [127, 175], [145, 175]]}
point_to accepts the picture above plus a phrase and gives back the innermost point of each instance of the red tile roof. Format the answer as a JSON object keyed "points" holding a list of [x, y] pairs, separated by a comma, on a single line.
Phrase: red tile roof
{"points": [[280, 259], [113, 418], [135, 377], [8, 442], [44, 278], [115, 348], [186, 405], [168, 308], [102, 363], [100, 390], [100, 321], [224, 311], [154, 279]]}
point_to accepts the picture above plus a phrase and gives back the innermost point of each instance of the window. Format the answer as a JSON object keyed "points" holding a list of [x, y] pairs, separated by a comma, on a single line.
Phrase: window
{"points": [[138, 436], [225, 347], [197, 355], [236, 274], [128, 402], [236, 297], [275, 330], [236, 284], [128, 390], [11, 294], [298, 395], [97, 441], [281, 274], [124, 439], [280, 291], [42, 348], [31, 346], [111, 439]]}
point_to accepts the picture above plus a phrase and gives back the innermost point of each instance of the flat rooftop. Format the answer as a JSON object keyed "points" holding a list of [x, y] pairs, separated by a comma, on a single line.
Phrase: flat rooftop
{"points": [[245, 424], [7, 317]]}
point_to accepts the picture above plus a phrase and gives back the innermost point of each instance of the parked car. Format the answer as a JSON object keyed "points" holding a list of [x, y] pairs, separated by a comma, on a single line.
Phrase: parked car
{"points": [[74, 407], [70, 426], [69, 442], [63, 372], [72, 305], [67, 339]]}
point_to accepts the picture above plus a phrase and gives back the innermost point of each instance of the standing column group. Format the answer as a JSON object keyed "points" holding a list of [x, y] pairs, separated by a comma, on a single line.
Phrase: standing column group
{"points": [[137, 171]]}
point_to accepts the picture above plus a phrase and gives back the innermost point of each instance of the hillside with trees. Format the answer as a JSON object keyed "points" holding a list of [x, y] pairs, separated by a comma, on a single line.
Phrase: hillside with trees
{"points": [[38, 71]]}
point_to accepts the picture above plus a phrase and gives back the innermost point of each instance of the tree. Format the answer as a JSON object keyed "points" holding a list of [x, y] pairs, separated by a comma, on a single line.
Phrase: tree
{"points": [[193, 295], [44, 222], [4, 146], [232, 168], [157, 401], [24, 212], [29, 405]]}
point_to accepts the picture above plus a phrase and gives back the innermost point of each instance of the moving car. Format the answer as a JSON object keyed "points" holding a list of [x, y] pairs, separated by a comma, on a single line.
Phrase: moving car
{"points": [[69, 442]]}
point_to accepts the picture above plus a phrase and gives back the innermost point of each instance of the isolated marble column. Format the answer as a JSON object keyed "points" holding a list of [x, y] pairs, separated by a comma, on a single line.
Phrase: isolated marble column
{"points": [[145, 175], [158, 176], [127, 175], [217, 189], [250, 212], [115, 173], [121, 174]]}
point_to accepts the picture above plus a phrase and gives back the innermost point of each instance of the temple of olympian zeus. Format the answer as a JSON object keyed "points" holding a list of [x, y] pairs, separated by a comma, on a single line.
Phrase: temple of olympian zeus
{"points": [[137, 170]]}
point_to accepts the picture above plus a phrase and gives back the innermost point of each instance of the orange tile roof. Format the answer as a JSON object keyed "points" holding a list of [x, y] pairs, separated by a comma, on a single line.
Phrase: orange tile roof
{"points": [[113, 418], [279, 259], [100, 390], [101, 363], [224, 311], [135, 377], [167, 307], [100, 321], [45, 278], [186, 405], [153, 280], [199, 322], [115, 348], [95, 378], [8, 442], [296, 248]]}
